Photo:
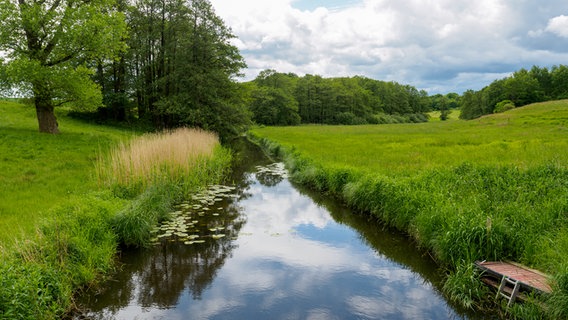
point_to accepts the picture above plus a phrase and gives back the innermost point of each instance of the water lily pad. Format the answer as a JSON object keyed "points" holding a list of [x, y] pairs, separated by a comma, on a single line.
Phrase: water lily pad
{"points": [[218, 236]]}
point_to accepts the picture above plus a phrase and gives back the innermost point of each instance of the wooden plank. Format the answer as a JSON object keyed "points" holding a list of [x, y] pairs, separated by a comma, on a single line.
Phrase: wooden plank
{"points": [[529, 278]]}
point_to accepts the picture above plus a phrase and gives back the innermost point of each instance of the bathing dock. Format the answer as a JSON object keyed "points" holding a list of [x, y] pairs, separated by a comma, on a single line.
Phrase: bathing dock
{"points": [[512, 279]]}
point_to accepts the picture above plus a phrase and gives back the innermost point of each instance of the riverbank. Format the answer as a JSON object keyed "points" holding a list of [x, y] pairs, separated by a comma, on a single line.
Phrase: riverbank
{"points": [[489, 189], [63, 218]]}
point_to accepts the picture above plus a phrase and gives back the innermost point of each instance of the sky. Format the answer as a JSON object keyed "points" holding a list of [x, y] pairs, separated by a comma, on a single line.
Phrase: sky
{"points": [[440, 46]]}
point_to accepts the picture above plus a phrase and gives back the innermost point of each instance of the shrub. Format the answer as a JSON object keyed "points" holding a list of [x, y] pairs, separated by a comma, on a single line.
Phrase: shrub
{"points": [[504, 106]]}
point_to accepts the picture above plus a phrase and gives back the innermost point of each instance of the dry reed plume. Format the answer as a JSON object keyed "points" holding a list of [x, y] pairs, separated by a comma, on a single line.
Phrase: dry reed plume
{"points": [[170, 155]]}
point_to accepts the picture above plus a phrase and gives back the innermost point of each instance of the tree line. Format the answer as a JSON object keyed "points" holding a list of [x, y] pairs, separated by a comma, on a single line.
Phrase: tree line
{"points": [[179, 68], [288, 99], [521, 88]]}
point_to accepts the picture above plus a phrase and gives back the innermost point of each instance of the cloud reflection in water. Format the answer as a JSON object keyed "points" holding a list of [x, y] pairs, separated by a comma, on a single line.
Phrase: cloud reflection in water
{"points": [[292, 260]]}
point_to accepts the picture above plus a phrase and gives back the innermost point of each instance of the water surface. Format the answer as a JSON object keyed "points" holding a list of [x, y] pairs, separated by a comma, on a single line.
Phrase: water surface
{"points": [[270, 250]]}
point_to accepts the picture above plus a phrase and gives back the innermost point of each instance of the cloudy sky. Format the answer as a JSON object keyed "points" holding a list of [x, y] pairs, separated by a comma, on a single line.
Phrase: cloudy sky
{"points": [[440, 46]]}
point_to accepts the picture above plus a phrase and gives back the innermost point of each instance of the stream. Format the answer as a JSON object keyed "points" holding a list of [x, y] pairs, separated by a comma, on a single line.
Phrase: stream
{"points": [[261, 247]]}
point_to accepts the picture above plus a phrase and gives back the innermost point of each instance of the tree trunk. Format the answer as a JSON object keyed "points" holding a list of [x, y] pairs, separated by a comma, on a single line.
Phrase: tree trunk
{"points": [[45, 112]]}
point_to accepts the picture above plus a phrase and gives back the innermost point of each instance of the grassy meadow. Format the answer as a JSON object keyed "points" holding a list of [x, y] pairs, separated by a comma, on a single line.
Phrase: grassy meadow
{"points": [[38, 171], [68, 201], [494, 188], [524, 137]]}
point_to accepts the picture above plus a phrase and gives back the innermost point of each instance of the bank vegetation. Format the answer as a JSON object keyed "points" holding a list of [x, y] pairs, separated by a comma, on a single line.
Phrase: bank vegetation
{"points": [[118, 187], [495, 188]]}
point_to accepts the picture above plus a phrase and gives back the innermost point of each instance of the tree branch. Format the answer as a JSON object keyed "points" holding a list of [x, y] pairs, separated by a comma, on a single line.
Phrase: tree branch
{"points": [[60, 60]]}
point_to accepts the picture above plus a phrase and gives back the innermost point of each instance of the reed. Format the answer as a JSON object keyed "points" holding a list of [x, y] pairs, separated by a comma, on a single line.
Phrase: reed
{"points": [[157, 170], [155, 158]]}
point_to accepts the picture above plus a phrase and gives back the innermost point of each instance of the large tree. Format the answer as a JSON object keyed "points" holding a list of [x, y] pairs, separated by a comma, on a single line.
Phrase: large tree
{"points": [[50, 45], [182, 67]]}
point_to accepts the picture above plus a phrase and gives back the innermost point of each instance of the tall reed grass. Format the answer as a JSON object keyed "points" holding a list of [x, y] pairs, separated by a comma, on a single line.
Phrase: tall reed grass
{"points": [[157, 170], [156, 158]]}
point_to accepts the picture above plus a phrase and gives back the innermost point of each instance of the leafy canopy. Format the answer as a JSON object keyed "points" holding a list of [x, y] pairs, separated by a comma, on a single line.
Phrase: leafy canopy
{"points": [[50, 43]]}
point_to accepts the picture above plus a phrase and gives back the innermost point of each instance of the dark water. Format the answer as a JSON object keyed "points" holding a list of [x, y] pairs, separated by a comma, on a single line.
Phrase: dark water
{"points": [[278, 252]]}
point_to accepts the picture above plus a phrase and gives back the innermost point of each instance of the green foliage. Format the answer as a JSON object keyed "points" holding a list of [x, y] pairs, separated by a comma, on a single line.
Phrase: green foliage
{"points": [[48, 44], [133, 225], [30, 291], [179, 69], [286, 99], [503, 106], [558, 300], [74, 246], [464, 286], [522, 88]]}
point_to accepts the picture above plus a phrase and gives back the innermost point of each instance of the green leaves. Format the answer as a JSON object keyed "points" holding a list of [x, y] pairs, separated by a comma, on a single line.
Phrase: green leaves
{"points": [[49, 44]]}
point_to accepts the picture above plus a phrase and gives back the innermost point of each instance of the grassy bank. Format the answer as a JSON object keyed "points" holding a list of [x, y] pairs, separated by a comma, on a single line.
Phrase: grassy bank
{"points": [[65, 209], [495, 188], [39, 171]]}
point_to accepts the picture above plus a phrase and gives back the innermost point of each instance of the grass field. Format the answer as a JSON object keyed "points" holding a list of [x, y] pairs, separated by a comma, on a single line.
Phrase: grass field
{"points": [[524, 137], [494, 188], [38, 171]]}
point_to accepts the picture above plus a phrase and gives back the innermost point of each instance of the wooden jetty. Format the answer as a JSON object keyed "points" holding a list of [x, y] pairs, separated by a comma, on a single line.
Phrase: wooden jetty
{"points": [[512, 280]]}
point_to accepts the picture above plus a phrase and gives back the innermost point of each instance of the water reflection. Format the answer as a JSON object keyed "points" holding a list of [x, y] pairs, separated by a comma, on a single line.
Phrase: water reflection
{"points": [[288, 258]]}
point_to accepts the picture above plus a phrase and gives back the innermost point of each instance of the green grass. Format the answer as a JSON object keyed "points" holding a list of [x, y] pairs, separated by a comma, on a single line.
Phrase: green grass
{"points": [[60, 224], [435, 115], [524, 137], [38, 171], [495, 188]]}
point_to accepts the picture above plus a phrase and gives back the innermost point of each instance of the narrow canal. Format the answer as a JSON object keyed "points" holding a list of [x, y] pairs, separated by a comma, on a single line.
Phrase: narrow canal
{"points": [[263, 248]]}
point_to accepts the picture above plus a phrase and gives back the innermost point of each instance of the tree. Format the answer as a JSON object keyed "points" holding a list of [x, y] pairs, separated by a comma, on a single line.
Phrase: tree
{"points": [[471, 105], [50, 44], [444, 108], [182, 65]]}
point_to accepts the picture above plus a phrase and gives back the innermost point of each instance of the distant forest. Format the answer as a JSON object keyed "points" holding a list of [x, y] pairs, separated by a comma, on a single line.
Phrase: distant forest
{"points": [[287, 99], [521, 88]]}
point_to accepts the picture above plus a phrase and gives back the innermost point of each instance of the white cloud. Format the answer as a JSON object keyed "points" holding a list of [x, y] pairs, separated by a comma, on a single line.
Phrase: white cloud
{"points": [[558, 26], [426, 43]]}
